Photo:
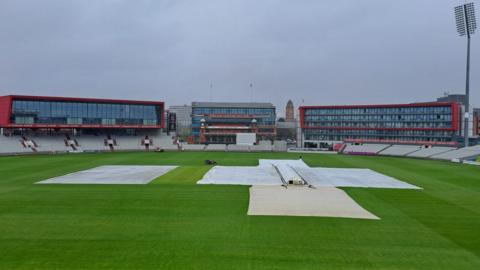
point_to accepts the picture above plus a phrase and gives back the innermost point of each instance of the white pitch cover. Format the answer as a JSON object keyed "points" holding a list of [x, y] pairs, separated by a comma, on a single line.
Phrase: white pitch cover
{"points": [[265, 174]]}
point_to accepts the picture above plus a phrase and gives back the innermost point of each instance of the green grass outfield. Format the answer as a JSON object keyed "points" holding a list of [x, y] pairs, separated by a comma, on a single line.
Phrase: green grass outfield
{"points": [[172, 223]]}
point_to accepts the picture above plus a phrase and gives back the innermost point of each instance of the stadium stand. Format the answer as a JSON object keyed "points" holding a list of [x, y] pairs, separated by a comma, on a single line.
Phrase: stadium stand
{"points": [[279, 146], [12, 144], [144, 142], [162, 139], [238, 148], [89, 143], [169, 147], [216, 147], [71, 143], [51, 144], [265, 143], [261, 148], [364, 149], [194, 147], [430, 151], [399, 150], [460, 154], [128, 143], [29, 143]]}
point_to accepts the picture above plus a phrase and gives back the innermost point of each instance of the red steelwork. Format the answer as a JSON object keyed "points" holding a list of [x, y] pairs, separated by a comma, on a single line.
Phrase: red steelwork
{"points": [[455, 117], [302, 114], [453, 106], [6, 106], [5, 110]]}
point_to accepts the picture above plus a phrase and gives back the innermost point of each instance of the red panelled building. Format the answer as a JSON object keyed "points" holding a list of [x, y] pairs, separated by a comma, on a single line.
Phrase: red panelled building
{"points": [[416, 123], [54, 113], [476, 122]]}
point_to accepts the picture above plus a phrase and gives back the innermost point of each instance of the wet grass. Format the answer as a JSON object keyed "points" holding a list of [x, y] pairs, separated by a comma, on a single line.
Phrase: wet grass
{"points": [[172, 223]]}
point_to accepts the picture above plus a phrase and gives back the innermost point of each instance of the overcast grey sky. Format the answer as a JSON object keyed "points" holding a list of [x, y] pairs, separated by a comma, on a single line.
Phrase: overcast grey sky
{"points": [[324, 52]]}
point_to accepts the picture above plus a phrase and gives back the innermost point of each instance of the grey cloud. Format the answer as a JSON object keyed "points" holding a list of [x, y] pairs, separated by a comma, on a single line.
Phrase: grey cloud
{"points": [[323, 52]]}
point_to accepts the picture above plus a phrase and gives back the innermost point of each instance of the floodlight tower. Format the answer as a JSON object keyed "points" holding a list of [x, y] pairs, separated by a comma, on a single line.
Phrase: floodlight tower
{"points": [[466, 25]]}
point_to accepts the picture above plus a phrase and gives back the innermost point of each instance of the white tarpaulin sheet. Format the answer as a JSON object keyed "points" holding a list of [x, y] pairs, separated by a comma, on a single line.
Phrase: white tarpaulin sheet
{"points": [[285, 167], [115, 174], [297, 163], [265, 174], [338, 177], [233, 175]]}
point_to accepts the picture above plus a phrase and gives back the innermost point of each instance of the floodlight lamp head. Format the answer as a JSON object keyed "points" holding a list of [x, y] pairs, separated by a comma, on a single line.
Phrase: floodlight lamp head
{"points": [[471, 20], [460, 20], [465, 19]]}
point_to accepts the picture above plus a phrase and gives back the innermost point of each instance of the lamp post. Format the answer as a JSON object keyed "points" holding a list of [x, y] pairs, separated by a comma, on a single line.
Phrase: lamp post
{"points": [[466, 25], [251, 92]]}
